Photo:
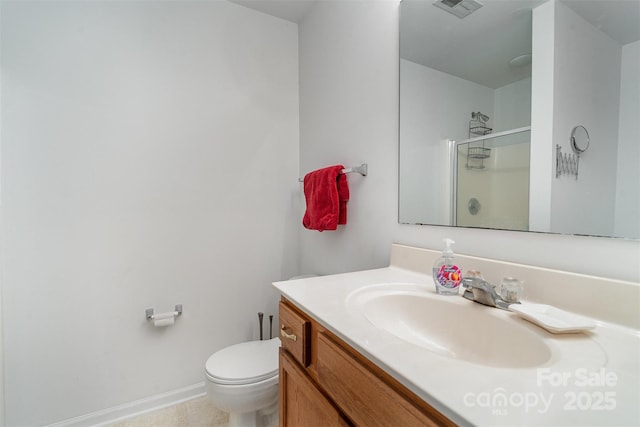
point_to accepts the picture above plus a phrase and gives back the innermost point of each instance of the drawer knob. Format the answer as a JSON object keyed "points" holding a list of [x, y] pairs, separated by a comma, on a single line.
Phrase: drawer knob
{"points": [[292, 337]]}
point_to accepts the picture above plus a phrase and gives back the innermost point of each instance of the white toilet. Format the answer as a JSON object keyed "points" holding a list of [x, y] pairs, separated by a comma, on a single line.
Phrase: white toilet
{"points": [[243, 380]]}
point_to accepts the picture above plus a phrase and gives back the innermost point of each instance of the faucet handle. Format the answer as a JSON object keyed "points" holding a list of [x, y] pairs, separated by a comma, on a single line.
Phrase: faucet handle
{"points": [[511, 289]]}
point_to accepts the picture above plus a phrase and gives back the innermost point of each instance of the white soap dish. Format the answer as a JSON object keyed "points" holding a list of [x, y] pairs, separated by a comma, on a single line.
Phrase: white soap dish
{"points": [[553, 319]]}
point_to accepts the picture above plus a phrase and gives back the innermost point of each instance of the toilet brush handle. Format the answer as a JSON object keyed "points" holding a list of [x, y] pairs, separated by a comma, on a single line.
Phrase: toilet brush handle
{"points": [[270, 326], [260, 316]]}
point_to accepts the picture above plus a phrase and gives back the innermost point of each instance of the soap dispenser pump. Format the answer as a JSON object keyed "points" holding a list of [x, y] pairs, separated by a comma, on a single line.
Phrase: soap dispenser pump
{"points": [[446, 274]]}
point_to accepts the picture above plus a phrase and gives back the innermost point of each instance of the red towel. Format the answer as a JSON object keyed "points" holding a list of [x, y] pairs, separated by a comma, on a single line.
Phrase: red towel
{"points": [[326, 192]]}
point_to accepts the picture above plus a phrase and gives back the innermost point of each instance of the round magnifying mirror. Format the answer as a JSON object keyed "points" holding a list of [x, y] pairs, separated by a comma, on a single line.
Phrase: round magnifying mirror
{"points": [[579, 139]]}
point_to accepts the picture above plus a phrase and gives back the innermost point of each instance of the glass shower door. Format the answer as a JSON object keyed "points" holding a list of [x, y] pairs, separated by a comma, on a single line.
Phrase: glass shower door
{"points": [[491, 181]]}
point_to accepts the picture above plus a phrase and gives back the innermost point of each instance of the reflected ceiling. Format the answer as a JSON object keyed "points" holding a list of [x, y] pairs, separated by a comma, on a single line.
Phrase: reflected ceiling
{"points": [[429, 35]]}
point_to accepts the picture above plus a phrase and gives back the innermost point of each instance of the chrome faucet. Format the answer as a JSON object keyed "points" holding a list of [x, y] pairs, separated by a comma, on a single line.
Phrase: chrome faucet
{"points": [[479, 290]]}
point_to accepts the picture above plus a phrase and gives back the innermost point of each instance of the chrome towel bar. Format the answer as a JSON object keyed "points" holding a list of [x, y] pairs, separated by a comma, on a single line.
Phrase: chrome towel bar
{"points": [[362, 170]]}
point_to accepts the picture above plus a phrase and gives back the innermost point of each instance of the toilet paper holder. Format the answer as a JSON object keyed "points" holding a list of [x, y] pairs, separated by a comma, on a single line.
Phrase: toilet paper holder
{"points": [[151, 316]]}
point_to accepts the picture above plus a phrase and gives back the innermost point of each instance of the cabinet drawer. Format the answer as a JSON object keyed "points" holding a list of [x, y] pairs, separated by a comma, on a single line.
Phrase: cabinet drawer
{"points": [[368, 396], [295, 334]]}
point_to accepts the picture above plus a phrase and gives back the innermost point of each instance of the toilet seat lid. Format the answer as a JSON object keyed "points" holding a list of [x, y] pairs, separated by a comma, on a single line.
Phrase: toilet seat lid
{"points": [[244, 363]]}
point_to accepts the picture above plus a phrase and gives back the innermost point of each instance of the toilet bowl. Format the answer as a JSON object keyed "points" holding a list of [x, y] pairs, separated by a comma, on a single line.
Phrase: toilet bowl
{"points": [[243, 380]]}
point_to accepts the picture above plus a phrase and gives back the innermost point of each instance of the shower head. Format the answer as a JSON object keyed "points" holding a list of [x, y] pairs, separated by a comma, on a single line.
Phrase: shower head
{"points": [[479, 116]]}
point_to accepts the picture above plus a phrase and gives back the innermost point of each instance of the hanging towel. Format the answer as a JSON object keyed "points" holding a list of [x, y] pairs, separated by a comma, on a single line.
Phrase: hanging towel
{"points": [[326, 192]]}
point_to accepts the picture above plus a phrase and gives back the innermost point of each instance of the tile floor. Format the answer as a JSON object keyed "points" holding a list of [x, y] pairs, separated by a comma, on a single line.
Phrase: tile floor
{"points": [[192, 413]]}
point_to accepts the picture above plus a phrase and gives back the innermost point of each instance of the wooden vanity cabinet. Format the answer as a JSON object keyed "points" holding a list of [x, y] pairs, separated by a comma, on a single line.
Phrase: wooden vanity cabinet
{"points": [[325, 382]]}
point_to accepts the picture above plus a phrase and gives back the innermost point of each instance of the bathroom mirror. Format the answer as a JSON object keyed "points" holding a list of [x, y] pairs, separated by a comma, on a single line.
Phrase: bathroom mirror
{"points": [[488, 62], [579, 139]]}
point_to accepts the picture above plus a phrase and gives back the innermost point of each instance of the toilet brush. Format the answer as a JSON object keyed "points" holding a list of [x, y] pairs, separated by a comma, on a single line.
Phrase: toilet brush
{"points": [[260, 315], [271, 326]]}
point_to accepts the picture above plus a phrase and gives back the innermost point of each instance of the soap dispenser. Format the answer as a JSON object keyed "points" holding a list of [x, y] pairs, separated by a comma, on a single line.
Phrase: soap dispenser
{"points": [[446, 274]]}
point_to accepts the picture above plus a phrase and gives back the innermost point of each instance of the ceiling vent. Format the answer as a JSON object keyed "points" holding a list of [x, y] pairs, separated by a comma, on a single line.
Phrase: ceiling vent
{"points": [[460, 8]]}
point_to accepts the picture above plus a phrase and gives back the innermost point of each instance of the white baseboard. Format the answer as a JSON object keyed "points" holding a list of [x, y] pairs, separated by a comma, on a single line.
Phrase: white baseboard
{"points": [[133, 409]]}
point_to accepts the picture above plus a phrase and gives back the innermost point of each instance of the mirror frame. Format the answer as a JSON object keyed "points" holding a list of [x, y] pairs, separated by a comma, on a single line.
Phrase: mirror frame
{"points": [[580, 139]]}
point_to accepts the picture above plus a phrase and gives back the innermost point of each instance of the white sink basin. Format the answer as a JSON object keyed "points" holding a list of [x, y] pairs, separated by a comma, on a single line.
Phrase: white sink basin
{"points": [[452, 327]]}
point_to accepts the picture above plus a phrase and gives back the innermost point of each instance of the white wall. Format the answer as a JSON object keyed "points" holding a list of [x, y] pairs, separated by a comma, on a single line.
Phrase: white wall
{"points": [[542, 111], [627, 188], [150, 158], [349, 97], [587, 87], [2, 394], [512, 106], [435, 107]]}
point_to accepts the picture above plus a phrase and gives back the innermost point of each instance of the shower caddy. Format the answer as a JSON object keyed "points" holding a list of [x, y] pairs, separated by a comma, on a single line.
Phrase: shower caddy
{"points": [[478, 127]]}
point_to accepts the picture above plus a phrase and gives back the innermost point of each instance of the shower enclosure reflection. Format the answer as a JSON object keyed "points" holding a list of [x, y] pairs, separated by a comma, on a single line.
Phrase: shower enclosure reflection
{"points": [[490, 176]]}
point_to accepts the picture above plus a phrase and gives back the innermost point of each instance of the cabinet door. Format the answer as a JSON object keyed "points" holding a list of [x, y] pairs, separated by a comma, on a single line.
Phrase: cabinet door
{"points": [[301, 403], [369, 398]]}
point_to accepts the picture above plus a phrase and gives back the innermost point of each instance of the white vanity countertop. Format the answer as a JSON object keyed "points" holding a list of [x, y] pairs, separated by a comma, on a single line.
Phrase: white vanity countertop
{"points": [[593, 378]]}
